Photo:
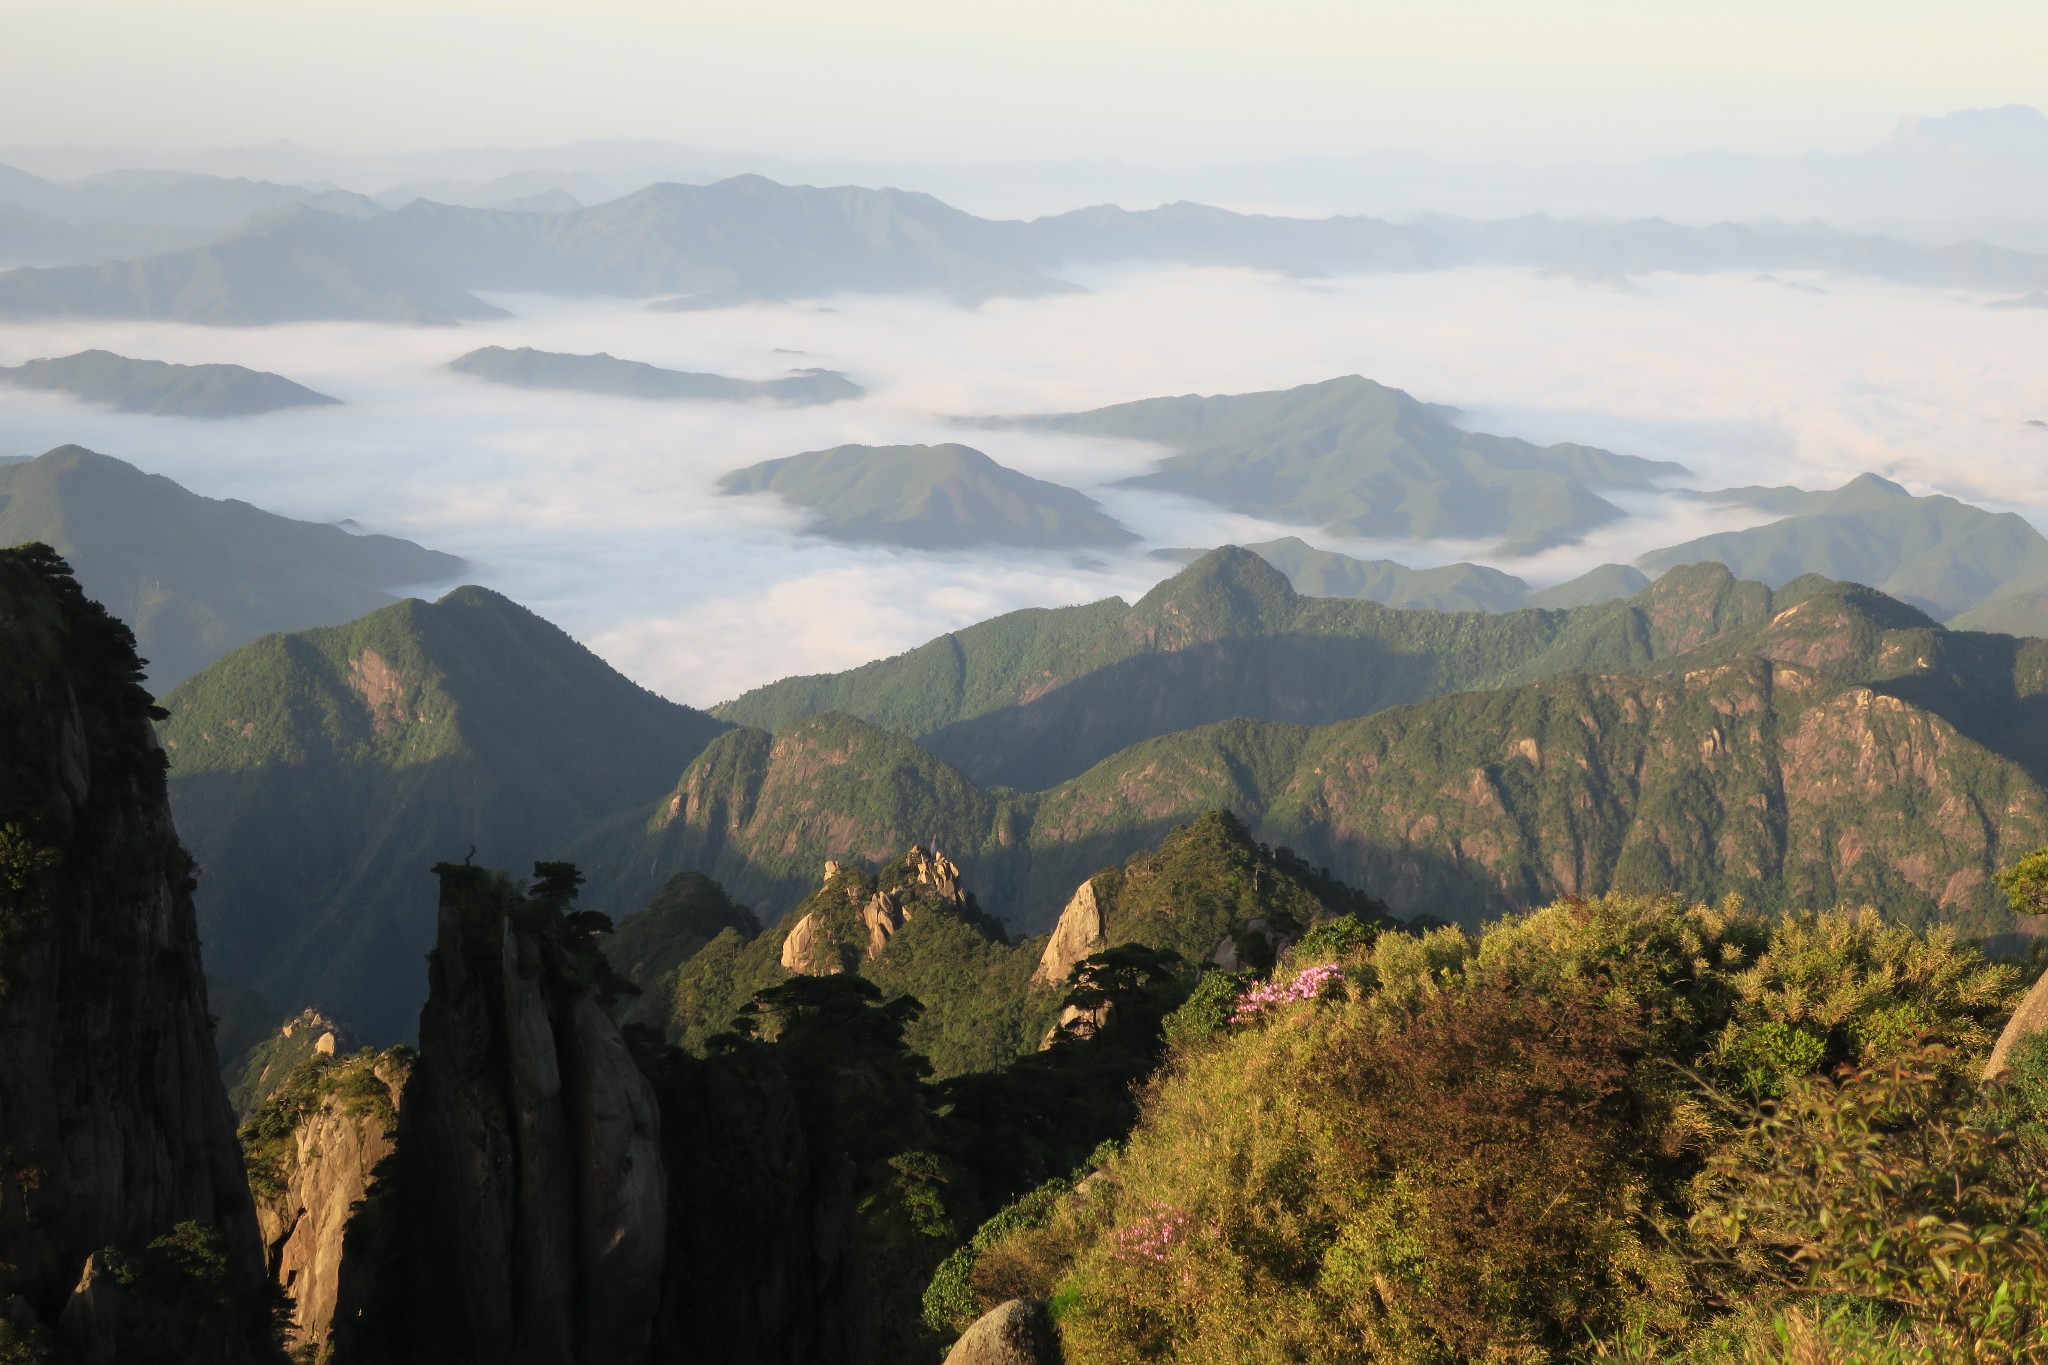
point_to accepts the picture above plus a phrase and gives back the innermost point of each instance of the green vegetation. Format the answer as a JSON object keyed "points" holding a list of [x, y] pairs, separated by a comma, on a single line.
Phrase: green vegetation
{"points": [[1449, 587], [1036, 697], [944, 497], [194, 577], [164, 390], [1531, 1145], [1208, 887], [318, 776], [184, 1302], [1748, 764], [527, 368], [1953, 561], [307, 1038], [1362, 459], [363, 1083]]}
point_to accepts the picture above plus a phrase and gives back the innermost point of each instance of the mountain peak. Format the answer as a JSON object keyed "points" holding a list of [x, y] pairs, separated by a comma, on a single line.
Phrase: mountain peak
{"points": [[1228, 591]]}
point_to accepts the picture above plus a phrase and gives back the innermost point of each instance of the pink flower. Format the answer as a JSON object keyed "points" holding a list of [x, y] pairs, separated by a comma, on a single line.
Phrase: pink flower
{"points": [[1153, 1235], [1308, 985]]}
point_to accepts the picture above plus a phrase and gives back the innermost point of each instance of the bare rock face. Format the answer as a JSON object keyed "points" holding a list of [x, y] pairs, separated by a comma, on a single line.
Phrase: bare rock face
{"points": [[808, 951], [329, 1167], [114, 1122], [1020, 1332], [1081, 932], [2030, 1018], [939, 873], [529, 1151], [882, 916]]}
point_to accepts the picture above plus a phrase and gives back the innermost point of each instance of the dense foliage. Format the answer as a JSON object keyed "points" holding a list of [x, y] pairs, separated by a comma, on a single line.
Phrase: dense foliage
{"points": [[1544, 1143]]}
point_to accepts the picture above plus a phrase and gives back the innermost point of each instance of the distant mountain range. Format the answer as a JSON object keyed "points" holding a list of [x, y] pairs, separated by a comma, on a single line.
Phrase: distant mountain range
{"points": [[1363, 459], [1816, 743], [120, 214], [1971, 172], [527, 368], [1974, 569], [1448, 587], [943, 497], [194, 577], [1946, 557], [750, 238], [164, 390]]}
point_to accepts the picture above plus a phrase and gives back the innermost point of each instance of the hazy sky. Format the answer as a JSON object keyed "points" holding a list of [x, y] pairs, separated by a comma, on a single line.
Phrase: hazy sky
{"points": [[1172, 80]]}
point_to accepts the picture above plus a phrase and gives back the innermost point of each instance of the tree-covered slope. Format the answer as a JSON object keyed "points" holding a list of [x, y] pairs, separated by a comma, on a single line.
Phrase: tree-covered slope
{"points": [[1446, 587], [1363, 459], [194, 576], [318, 776], [1769, 780], [1944, 556], [942, 497], [161, 389], [1034, 697], [1818, 742], [527, 368]]}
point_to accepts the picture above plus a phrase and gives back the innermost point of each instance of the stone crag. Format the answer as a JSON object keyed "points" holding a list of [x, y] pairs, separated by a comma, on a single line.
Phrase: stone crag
{"points": [[114, 1123]]}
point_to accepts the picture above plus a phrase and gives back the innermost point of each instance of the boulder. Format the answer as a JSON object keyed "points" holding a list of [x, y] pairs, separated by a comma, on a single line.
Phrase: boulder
{"points": [[882, 916], [1081, 932], [1020, 1332], [2030, 1018], [940, 873], [807, 952]]}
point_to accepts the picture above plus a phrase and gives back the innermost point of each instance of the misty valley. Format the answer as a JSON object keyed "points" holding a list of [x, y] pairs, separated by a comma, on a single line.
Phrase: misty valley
{"points": [[607, 764]]}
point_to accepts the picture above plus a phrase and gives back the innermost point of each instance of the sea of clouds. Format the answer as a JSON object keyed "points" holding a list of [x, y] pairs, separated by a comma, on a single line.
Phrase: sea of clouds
{"points": [[601, 513]]}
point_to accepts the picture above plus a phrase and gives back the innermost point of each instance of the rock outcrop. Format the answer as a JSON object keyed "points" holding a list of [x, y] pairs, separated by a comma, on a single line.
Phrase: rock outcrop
{"points": [[114, 1123], [825, 941], [809, 950], [530, 1145], [1020, 1332], [1081, 931], [310, 1179], [2030, 1018]]}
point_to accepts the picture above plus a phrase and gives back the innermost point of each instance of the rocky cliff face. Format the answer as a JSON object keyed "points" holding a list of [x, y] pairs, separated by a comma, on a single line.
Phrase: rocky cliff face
{"points": [[530, 1150], [314, 1151], [114, 1124]]}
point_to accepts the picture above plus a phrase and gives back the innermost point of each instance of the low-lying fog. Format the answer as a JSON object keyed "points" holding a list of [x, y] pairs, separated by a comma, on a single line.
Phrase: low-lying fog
{"points": [[600, 514]]}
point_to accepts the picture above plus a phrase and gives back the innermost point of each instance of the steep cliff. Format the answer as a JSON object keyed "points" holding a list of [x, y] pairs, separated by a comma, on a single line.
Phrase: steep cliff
{"points": [[114, 1124], [314, 1148], [530, 1142]]}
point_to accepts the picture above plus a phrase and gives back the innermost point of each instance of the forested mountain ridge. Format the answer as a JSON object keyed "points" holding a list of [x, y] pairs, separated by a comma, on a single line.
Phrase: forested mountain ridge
{"points": [[1363, 459], [1770, 780], [318, 775], [1034, 697]]}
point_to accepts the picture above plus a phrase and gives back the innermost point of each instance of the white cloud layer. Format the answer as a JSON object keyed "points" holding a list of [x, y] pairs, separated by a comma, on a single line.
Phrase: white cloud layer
{"points": [[601, 514]]}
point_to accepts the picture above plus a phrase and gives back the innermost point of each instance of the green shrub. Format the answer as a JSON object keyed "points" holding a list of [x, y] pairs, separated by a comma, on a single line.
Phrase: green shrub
{"points": [[1503, 1148], [1205, 1012]]}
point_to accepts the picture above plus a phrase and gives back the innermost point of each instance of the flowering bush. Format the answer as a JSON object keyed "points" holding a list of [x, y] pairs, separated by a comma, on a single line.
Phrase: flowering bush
{"points": [[1309, 985], [1152, 1236]]}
